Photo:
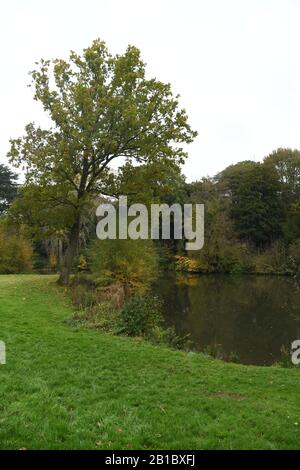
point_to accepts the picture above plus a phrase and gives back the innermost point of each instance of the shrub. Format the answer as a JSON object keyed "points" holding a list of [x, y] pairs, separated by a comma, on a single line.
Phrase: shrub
{"points": [[16, 254], [133, 263], [273, 260], [185, 264], [140, 316]]}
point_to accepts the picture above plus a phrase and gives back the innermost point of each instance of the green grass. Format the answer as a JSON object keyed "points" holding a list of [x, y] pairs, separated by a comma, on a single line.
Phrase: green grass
{"points": [[65, 388]]}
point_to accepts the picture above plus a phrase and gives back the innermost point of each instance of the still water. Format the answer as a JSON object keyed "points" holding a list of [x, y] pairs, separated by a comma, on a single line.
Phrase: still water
{"points": [[242, 318]]}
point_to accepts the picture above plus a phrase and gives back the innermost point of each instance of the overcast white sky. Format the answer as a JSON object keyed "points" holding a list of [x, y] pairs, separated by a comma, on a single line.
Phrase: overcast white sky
{"points": [[235, 63]]}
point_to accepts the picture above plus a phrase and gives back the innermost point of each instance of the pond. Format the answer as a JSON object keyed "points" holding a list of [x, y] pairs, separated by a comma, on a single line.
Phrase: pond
{"points": [[246, 319]]}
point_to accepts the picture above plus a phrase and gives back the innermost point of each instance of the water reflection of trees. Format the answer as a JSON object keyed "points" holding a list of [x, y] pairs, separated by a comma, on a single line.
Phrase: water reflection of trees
{"points": [[252, 316]]}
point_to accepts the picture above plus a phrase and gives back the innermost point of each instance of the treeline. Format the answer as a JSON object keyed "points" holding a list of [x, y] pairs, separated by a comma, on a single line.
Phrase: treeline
{"points": [[252, 217], [16, 254], [252, 224]]}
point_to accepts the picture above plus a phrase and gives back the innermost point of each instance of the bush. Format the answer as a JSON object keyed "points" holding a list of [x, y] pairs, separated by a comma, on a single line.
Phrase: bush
{"points": [[133, 263], [16, 254], [273, 260], [140, 316], [232, 261], [104, 308], [185, 264]]}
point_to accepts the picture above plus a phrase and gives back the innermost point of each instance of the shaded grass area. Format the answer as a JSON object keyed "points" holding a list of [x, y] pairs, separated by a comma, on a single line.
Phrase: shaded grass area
{"points": [[67, 388]]}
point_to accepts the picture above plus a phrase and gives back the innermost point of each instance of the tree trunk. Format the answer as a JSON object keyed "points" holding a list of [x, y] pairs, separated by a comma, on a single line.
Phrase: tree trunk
{"points": [[70, 253]]}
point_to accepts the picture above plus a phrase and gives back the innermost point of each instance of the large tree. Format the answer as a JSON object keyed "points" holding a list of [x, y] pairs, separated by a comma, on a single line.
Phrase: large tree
{"points": [[102, 108], [255, 201], [8, 187], [286, 163]]}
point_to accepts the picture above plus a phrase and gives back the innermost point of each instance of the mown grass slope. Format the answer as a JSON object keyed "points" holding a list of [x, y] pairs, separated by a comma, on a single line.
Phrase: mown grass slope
{"points": [[67, 388]]}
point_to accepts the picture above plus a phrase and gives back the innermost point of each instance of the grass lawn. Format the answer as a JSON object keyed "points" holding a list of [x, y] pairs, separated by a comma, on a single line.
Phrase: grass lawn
{"points": [[65, 388]]}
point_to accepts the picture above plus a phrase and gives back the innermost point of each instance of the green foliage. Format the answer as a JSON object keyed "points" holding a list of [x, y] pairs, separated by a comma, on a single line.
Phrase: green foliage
{"points": [[102, 108], [273, 260], [8, 187], [42, 211], [140, 316], [155, 182], [286, 163], [251, 216], [255, 208], [133, 263], [222, 251], [292, 225]]}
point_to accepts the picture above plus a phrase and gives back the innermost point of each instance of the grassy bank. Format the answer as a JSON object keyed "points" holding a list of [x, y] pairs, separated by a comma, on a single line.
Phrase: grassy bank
{"points": [[65, 388]]}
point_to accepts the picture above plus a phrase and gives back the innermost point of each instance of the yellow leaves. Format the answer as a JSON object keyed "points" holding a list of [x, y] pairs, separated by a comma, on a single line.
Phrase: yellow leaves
{"points": [[16, 252], [183, 263], [52, 261], [133, 263], [82, 262]]}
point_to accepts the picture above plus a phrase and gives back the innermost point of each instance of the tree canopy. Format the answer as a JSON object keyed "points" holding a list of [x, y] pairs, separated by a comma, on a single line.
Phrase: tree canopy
{"points": [[8, 187], [255, 207], [102, 108]]}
